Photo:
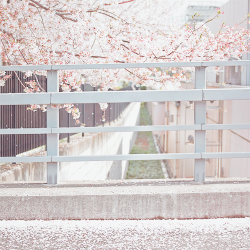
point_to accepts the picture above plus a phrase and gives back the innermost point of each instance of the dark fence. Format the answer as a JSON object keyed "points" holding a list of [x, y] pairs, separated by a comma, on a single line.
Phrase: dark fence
{"points": [[17, 116]]}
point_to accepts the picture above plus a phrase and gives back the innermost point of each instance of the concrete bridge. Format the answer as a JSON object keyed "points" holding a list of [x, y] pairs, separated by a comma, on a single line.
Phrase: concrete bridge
{"points": [[200, 198]]}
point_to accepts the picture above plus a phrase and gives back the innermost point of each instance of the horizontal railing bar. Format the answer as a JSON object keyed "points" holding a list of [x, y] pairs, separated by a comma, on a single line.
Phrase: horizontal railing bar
{"points": [[226, 155], [226, 63], [25, 131], [126, 128], [123, 65], [127, 96], [225, 126], [226, 94], [24, 98], [26, 159], [25, 67], [130, 157], [12, 131], [127, 65]]}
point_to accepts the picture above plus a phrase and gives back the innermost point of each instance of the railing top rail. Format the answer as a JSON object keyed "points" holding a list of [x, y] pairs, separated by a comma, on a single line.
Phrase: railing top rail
{"points": [[124, 65]]}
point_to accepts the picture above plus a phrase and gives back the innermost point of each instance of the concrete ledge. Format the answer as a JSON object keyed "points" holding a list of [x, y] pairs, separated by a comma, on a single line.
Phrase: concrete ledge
{"points": [[130, 199]]}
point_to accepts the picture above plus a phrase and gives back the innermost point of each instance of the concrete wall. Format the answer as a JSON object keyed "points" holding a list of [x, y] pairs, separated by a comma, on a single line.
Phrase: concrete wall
{"points": [[234, 12], [101, 144], [157, 113], [23, 172], [90, 144]]}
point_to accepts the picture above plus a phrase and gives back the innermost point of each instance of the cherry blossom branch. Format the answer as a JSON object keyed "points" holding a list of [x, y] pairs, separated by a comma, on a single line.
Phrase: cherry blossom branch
{"points": [[19, 79], [135, 75], [35, 3], [195, 29], [129, 1], [62, 15]]}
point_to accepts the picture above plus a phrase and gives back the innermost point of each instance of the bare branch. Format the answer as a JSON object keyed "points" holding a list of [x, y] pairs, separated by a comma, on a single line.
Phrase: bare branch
{"points": [[34, 3], [129, 1], [104, 57], [62, 15]]}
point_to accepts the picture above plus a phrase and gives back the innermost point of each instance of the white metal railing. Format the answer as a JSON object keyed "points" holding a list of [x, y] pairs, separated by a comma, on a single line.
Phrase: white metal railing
{"points": [[199, 95]]}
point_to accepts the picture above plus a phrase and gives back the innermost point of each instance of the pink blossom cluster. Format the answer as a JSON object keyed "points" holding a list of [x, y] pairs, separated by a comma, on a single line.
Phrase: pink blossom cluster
{"points": [[110, 31], [3, 78], [32, 87]]}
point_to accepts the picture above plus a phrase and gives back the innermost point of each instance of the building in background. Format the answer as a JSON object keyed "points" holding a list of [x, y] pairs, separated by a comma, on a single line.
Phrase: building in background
{"points": [[234, 12], [204, 8], [218, 112], [188, 8]]}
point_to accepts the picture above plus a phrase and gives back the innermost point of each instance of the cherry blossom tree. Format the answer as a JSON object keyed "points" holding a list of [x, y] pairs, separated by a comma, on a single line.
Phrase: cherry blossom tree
{"points": [[112, 31]]}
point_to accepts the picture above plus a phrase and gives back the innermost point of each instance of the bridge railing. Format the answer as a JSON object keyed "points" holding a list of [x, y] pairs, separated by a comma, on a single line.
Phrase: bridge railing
{"points": [[199, 96]]}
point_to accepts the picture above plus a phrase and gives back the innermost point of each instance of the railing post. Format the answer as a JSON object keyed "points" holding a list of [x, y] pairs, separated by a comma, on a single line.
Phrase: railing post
{"points": [[52, 122], [200, 118]]}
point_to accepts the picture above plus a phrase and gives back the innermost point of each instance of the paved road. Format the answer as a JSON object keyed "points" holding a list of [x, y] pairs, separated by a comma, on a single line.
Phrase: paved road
{"points": [[122, 234]]}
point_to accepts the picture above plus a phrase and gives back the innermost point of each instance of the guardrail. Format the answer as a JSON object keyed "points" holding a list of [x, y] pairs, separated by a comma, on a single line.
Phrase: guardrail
{"points": [[16, 116], [199, 95]]}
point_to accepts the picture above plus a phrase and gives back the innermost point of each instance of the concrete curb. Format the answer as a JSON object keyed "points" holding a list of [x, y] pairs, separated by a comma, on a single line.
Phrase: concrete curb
{"points": [[163, 199]]}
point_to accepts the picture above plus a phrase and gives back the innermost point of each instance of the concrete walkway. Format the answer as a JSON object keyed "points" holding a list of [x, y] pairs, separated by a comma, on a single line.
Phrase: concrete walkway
{"points": [[121, 234]]}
